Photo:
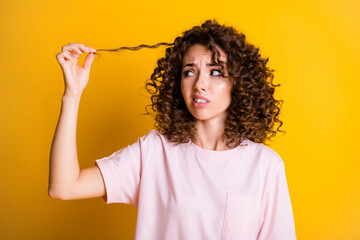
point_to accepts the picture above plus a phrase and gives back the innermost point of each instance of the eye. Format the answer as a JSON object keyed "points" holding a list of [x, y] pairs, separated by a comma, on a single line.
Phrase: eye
{"points": [[186, 73], [216, 74]]}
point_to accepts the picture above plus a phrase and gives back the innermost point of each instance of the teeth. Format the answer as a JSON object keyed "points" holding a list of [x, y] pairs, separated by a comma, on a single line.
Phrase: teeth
{"points": [[197, 100]]}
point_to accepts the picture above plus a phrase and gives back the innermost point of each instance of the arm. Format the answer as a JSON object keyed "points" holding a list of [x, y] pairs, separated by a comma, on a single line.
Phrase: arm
{"points": [[66, 180]]}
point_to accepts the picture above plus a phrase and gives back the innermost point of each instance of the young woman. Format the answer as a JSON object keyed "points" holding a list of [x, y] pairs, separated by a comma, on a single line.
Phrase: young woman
{"points": [[204, 172]]}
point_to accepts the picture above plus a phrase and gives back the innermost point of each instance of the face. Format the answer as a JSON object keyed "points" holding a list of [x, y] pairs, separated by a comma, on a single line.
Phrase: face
{"points": [[206, 93]]}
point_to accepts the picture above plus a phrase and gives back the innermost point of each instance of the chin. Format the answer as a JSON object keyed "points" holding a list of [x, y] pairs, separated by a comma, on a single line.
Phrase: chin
{"points": [[203, 117]]}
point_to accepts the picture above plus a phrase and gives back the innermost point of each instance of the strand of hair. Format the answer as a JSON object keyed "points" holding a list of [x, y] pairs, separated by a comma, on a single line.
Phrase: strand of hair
{"points": [[136, 48]]}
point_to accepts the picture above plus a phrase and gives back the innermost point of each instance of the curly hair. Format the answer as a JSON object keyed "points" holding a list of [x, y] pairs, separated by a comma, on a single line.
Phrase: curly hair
{"points": [[253, 111]]}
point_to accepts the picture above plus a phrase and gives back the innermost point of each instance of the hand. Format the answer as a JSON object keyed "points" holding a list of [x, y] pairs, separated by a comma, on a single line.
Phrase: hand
{"points": [[75, 76]]}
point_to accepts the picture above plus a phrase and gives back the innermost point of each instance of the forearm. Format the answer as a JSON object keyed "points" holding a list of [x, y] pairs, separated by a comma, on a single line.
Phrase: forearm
{"points": [[64, 165]]}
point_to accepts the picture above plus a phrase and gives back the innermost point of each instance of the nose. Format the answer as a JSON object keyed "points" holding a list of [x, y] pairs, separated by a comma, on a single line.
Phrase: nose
{"points": [[201, 82]]}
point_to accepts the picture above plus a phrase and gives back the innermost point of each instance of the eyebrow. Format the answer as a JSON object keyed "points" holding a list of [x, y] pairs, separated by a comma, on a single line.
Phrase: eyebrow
{"points": [[208, 64]]}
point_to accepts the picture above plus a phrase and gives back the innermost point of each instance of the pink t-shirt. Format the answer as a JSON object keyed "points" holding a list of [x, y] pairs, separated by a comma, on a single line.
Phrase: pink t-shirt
{"points": [[191, 193]]}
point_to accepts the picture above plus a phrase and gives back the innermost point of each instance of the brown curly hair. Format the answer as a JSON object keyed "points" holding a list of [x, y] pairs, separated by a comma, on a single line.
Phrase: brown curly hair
{"points": [[253, 111]]}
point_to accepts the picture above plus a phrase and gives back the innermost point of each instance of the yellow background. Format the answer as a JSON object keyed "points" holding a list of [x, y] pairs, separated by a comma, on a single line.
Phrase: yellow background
{"points": [[312, 45]]}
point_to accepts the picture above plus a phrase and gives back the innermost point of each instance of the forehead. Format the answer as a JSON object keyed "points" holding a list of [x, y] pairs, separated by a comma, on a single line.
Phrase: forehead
{"points": [[197, 52]]}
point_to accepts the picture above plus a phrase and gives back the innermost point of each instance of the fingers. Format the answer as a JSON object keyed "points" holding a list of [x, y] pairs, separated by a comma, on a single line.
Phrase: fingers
{"points": [[88, 61], [78, 48], [73, 51]]}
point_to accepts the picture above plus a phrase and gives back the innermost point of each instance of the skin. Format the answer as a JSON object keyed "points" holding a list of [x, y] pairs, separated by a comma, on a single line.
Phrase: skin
{"points": [[208, 82], [66, 179]]}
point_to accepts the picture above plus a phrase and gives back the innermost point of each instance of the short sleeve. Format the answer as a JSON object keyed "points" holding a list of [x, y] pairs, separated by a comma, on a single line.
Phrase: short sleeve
{"points": [[121, 172], [277, 215]]}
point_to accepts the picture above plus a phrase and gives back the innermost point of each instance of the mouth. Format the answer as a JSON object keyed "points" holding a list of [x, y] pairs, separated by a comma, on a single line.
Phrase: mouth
{"points": [[199, 100]]}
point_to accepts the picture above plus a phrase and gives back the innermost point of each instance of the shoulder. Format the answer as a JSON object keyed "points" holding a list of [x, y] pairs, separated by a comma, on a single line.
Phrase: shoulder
{"points": [[264, 154], [152, 135], [155, 138], [153, 144]]}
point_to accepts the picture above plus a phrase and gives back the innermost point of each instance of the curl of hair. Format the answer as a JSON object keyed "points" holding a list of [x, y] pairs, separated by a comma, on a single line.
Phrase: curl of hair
{"points": [[253, 112]]}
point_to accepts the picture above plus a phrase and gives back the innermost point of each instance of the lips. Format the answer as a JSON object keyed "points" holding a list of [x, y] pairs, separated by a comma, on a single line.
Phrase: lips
{"points": [[199, 101], [197, 96]]}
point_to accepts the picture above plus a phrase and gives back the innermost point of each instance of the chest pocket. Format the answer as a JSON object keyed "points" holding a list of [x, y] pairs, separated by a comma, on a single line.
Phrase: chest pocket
{"points": [[242, 218]]}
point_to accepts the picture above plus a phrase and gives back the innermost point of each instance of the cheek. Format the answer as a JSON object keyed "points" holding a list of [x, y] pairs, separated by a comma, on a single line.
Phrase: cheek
{"points": [[182, 88], [229, 94], [224, 90], [184, 85], [226, 95]]}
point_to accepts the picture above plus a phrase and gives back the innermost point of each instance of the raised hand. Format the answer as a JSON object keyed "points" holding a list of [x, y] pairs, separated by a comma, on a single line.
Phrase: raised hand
{"points": [[76, 77]]}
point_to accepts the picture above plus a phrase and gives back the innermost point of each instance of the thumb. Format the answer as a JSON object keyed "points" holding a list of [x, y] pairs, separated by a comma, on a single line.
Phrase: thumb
{"points": [[88, 61]]}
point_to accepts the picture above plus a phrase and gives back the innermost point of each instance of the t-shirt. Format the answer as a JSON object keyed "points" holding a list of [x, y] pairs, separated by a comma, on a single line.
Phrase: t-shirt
{"points": [[186, 192]]}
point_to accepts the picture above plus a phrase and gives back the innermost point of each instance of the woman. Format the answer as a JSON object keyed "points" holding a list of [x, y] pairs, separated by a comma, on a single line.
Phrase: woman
{"points": [[204, 172]]}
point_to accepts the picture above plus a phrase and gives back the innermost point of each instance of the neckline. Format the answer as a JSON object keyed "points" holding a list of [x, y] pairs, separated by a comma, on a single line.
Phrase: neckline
{"points": [[218, 154]]}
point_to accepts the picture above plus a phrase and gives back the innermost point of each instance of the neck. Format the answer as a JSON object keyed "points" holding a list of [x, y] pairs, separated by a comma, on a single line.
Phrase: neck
{"points": [[210, 135]]}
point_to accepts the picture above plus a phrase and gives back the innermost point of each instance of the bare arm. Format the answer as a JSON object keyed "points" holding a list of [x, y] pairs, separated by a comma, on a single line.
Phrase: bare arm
{"points": [[66, 180]]}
